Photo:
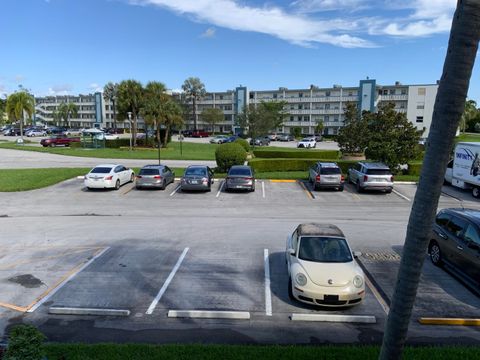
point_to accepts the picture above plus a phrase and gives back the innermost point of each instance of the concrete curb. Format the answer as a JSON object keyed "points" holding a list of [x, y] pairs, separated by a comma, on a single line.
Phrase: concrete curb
{"points": [[234, 315], [366, 319], [87, 311]]}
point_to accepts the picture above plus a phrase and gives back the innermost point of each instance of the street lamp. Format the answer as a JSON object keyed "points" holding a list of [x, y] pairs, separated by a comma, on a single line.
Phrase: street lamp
{"points": [[130, 122]]}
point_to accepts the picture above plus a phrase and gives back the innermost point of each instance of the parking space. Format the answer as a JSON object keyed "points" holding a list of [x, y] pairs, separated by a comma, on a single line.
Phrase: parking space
{"points": [[440, 293]]}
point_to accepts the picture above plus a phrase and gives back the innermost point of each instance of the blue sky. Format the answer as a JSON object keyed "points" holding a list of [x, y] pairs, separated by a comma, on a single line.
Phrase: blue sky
{"points": [[76, 46]]}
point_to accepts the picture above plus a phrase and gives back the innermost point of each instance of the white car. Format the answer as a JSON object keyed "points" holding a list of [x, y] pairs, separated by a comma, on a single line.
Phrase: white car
{"points": [[321, 267], [108, 176], [307, 143], [32, 133], [111, 137]]}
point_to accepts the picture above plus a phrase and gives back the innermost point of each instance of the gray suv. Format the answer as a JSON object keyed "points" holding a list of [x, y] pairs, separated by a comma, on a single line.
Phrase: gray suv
{"points": [[326, 175], [154, 176], [371, 176]]}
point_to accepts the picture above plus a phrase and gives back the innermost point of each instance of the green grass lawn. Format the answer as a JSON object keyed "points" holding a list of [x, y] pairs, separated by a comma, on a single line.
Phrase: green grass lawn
{"points": [[247, 352], [29, 179], [468, 137], [190, 151]]}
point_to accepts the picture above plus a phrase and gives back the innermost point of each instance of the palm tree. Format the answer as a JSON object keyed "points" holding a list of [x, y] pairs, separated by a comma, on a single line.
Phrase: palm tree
{"points": [[19, 104], [194, 90], [172, 117], [449, 106], [153, 104], [469, 113], [110, 94], [130, 96], [67, 110]]}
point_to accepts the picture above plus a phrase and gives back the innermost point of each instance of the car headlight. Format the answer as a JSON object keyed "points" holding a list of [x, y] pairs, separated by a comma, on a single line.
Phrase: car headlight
{"points": [[358, 281], [301, 279]]}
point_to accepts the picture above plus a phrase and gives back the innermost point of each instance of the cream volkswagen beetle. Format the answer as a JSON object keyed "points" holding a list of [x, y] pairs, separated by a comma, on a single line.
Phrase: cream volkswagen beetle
{"points": [[321, 267]]}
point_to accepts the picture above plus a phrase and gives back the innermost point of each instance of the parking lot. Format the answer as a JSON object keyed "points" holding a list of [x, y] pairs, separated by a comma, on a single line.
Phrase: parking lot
{"points": [[210, 267]]}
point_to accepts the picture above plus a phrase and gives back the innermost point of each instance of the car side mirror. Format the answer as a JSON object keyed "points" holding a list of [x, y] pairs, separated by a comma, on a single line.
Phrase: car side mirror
{"points": [[291, 252], [357, 254]]}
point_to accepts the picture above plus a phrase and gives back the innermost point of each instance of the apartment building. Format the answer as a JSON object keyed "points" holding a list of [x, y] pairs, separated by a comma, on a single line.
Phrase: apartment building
{"points": [[305, 107]]}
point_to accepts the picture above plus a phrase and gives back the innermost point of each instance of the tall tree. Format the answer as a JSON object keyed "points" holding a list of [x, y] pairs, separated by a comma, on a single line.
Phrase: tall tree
{"points": [[110, 91], [274, 114], [353, 137], [173, 117], [448, 108], [153, 109], [18, 105], [130, 96], [194, 90], [3, 103], [468, 115], [392, 139], [212, 116], [319, 127], [66, 111]]}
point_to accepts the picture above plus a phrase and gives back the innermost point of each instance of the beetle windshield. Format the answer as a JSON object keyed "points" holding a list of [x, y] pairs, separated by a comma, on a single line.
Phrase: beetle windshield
{"points": [[324, 249]]}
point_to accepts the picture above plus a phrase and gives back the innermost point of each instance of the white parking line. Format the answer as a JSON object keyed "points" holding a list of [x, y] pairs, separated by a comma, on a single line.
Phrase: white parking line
{"points": [[268, 295], [174, 191], [167, 282], [401, 195], [35, 307], [205, 314], [368, 319], [263, 189], [220, 188]]}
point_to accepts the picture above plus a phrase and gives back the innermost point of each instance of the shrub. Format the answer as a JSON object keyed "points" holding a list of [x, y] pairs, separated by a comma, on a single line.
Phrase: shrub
{"points": [[297, 132], [229, 154], [244, 143], [270, 165], [297, 154], [25, 343], [414, 168]]}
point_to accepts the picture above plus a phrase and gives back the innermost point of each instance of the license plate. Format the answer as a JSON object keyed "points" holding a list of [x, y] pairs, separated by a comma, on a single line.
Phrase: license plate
{"points": [[194, 182]]}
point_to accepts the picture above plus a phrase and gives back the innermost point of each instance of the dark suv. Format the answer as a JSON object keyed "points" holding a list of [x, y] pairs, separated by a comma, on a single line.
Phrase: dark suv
{"points": [[456, 241]]}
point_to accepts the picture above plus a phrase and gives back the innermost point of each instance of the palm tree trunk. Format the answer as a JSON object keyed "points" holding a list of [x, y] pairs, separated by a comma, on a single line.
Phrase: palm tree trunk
{"points": [[134, 132], [165, 141], [194, 111], [448, 109], [114, 116]]}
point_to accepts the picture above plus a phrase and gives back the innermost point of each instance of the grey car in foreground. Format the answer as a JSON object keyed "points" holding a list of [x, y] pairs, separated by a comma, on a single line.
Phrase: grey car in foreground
{"points": [[154, 177], [197, 177], [240, 177], [371, 176], [455, 240], [326, 175]]}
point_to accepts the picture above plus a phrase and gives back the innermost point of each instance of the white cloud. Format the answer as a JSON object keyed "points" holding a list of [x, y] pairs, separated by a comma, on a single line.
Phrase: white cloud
{"points": [[210, 32], [312, 6], [95, 87], [62, 89], [270, 20]]}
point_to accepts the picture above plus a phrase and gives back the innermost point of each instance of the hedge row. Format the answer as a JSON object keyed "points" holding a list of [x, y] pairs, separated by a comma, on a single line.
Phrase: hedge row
{"points": [[297, 154], [268, 165], [414, 169]]}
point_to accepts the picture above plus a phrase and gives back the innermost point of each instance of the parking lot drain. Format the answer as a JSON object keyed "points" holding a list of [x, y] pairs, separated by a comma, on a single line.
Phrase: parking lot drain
{"points": [[366, 319], [449, 321], [201, 314], [88, 311]]}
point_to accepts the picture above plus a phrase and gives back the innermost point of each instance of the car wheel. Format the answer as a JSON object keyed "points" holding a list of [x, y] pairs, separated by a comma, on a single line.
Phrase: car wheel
{"points": [[388, 191], [89, 188], [164, 185], [359, 188], [132, 178], [435, 254], [209, 188], [290, 289], [117, 185], [476, 192], [340, 188]]}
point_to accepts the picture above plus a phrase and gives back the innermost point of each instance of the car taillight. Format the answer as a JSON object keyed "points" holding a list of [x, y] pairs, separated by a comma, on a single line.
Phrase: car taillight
{"points": [[109, 177], [139, 176], [204, 180], [365, 178], [391, 178], [157, 177], [317, 178], [342, 178]]}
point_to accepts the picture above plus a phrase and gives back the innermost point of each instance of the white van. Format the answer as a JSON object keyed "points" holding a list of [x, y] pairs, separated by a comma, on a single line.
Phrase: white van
{"points": [[463, 171]]}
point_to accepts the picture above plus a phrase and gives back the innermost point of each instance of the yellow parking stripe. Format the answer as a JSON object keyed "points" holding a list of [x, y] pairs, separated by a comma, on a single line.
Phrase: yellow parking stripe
{"points": [[302, 185], [449, 321], [14, 307], [282, 181]]}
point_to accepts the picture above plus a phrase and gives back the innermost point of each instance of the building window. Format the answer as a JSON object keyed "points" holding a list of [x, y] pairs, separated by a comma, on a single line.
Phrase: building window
{"points": [[251, 95], [420, 106], [404, 91], [228, 107], [274, 96], [335, 118], [300, 94], [385, 92], [306, 118], [221, 97], [421, 91], [327, 118], [327, 106], [402, 106], [327, 93], [419, 119], [292, 118], [300, 107], [392, 91]]}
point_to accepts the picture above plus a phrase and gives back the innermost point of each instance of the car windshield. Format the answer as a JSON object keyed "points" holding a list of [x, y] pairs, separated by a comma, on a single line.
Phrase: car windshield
{"points": [[379, 172], [101, 170], [330, 171], [196, 171], [324, 249], [306, 139], [149, 172], [240, 171]]}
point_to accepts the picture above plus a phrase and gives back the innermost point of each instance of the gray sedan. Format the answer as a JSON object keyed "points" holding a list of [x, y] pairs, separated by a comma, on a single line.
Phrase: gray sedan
{"points": [[197, 177], [155, 176], [240, 177]]}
